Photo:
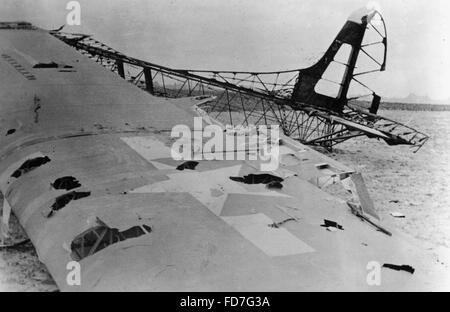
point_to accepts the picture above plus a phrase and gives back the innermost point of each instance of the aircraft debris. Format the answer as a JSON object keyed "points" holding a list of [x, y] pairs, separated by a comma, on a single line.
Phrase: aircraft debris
{"points": [[51, 65], [396, 267], [37, 107], [66, 183], [284, 209], [332, 118], [274, 185], [322, 166], [264, 178], [188, 165], [358, 211], [10, 131], [30, 165], [362, 194], [58, 29], [331, 224], [63, 200], [278, 224], [214, 209], [397, 215], [101, 236]]}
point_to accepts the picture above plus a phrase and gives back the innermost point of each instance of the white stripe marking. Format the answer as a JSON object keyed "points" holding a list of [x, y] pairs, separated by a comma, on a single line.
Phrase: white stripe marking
{"points": [[272, 241]]}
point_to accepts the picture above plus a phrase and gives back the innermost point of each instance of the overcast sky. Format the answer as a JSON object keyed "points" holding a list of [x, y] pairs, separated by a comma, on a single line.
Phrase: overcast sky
{"points": [[259, 35]]}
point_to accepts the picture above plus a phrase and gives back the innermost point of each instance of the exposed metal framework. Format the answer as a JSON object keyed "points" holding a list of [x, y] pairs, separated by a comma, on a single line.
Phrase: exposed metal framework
{"points": [[287, 98]]}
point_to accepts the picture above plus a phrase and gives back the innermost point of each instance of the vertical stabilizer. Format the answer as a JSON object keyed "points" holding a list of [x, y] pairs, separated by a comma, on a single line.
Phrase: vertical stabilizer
{"points": [[344, 51]]}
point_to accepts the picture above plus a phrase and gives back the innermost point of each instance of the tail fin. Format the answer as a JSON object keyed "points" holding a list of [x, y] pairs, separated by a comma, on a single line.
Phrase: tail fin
{"points": [[351, 34]]}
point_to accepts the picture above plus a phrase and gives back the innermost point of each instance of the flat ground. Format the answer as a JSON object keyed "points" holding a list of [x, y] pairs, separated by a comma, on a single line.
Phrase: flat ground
{"points": [[415, 184], [20, 268]]}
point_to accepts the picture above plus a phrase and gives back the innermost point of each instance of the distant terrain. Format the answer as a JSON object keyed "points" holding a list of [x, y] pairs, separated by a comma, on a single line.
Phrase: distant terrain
{"points": [[415, 102], [402, 106], [414, 106]]}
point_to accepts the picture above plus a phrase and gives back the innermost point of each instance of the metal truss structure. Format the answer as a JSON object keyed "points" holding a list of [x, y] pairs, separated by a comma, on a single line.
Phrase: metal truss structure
{"points": [[287, 98]]}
